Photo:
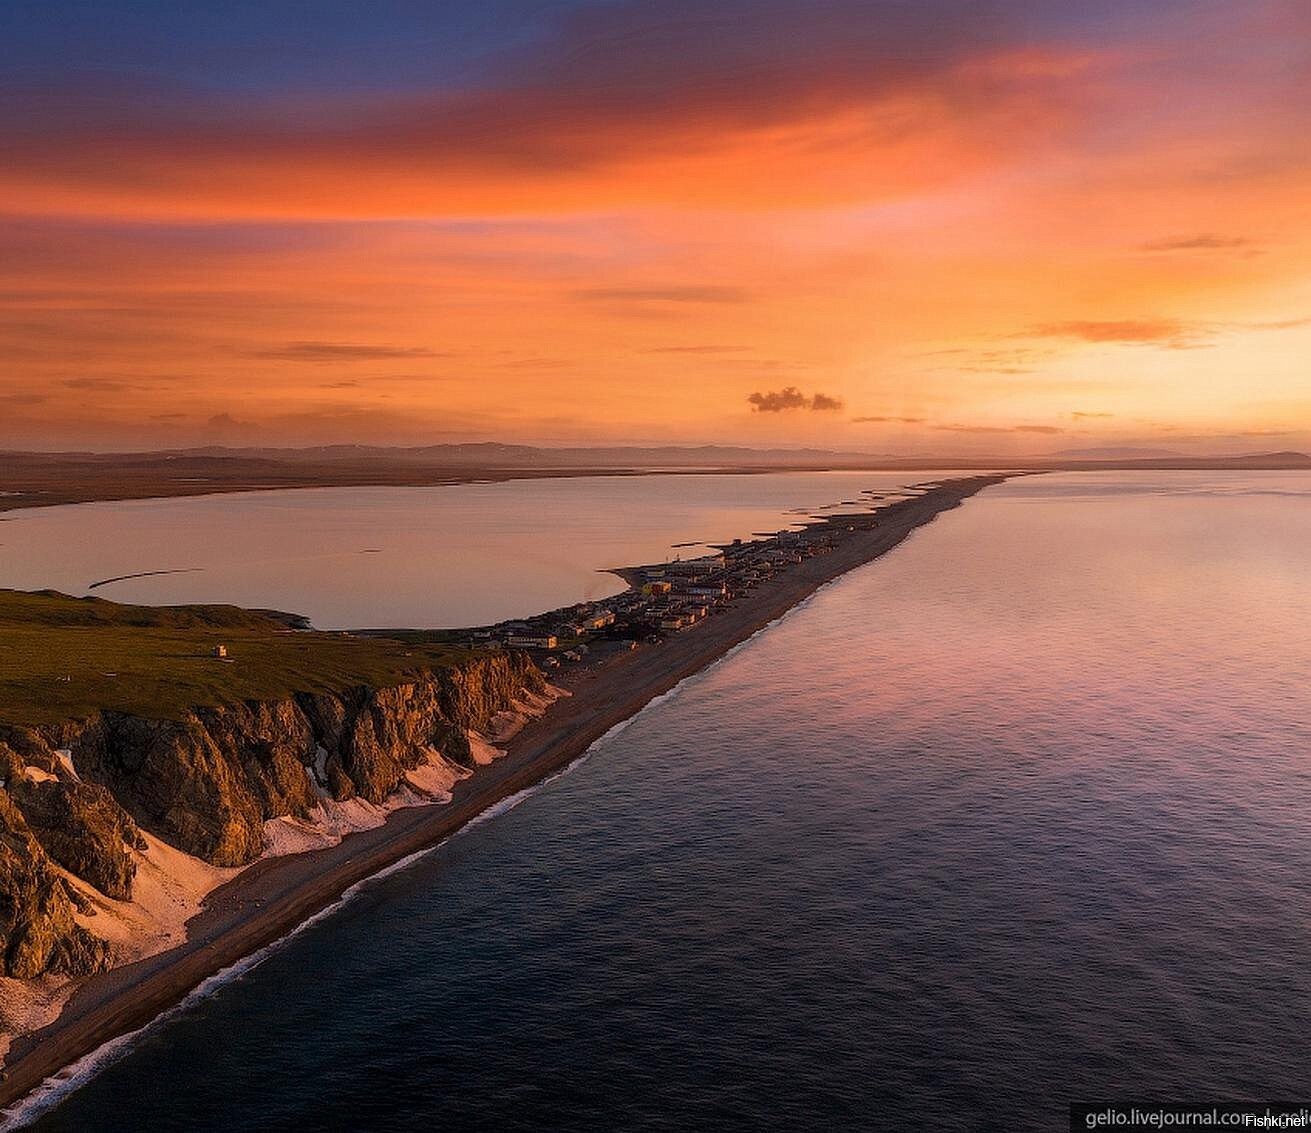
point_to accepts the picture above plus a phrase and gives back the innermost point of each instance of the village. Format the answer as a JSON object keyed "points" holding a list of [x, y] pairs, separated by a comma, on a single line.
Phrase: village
{"points": [[665, 598]]}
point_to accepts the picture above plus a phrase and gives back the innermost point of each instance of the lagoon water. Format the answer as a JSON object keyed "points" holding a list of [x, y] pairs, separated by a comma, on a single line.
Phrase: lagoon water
{"points": [[1016, 815], [453, 555]]}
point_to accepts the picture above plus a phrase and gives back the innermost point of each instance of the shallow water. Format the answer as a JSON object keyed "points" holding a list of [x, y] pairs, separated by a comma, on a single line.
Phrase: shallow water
{"points": [[1016, 815], [453, 555]]}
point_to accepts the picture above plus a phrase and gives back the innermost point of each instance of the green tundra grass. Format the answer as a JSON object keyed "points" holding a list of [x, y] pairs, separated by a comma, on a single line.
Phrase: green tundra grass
{"points": [[63, 658]]}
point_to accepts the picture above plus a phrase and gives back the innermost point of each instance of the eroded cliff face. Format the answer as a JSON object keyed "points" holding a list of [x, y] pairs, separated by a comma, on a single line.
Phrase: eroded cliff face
{"points": [[37, 931], [78, 796]]}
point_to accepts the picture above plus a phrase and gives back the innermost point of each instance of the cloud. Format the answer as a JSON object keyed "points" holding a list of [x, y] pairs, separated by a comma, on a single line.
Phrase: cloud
{"points": [[225, 422], [1167, 334], [341, 352], [1012, 360], [696, 349], [1202, 242], [790, 398], [98, 385], [535, 364], [1046, 430], [681, 294], [607, 92], [1277, 324], [23, 398], [888, 420], [1081, 415]]}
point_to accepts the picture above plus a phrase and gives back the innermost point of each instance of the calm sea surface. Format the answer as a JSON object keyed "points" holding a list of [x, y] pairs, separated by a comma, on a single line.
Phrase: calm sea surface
{"points": [[1016, 815], [456, 555]]}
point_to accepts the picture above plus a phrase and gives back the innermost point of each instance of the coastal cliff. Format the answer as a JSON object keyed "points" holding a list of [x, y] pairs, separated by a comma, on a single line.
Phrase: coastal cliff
{"points": [[76, 796]]}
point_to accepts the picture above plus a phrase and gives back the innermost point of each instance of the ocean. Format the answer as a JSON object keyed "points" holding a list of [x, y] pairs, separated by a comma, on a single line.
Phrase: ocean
{"points": [[1015, 816]]}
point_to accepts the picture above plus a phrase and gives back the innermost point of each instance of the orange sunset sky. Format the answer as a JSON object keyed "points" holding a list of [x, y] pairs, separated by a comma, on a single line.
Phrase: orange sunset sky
{"points": [[911, 228]]}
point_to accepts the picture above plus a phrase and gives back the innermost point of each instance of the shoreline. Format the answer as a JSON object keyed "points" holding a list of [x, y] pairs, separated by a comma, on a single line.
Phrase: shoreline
{"points": [[273, 897], [43, 480]]}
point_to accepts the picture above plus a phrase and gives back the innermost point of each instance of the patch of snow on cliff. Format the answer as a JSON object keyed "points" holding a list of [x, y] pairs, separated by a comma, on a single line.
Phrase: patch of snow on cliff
{"points": [[320, 766], [435, 777], [528, 705], [483, 751], [328, 824]]}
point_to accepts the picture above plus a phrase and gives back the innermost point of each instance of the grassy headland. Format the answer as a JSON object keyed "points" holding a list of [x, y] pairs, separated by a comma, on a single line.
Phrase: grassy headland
{"points": [[64, 658]]}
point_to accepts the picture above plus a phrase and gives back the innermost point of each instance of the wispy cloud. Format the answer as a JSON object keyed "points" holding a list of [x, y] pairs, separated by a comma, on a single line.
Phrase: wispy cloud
{"points": [[696, 349], [535, 364], [888, 420], [98, 385], [1011, 360], [1161, 333], [1201, 242], [1277, 324], [601, 91], [1166, 334], [1045, 430], [341, 352], [689, 293]]}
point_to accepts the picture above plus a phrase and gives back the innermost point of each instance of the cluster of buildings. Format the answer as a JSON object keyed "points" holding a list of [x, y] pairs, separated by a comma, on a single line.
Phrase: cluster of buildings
{"points": [[662, 598], [567, 628], [679, 594]]}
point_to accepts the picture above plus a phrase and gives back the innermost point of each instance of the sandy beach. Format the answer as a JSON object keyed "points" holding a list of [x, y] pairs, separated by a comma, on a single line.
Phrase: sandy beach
{"points": [[270, 898]]}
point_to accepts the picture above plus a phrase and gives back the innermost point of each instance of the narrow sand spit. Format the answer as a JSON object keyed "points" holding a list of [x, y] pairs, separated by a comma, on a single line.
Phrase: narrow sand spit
{"points": [[270, 898]]}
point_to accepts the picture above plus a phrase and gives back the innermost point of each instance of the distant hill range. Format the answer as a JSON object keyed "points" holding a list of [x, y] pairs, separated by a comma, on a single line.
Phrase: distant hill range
{"points": [[492, 455], [30, 479], [495, 455], [1256, 460], [1116, 454]]}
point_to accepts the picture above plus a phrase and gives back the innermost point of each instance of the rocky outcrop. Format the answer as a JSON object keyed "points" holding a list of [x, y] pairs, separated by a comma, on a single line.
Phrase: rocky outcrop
{"points": [[177, 782], [38, 934], [80, 826], [79, 794], [208, 782]]}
